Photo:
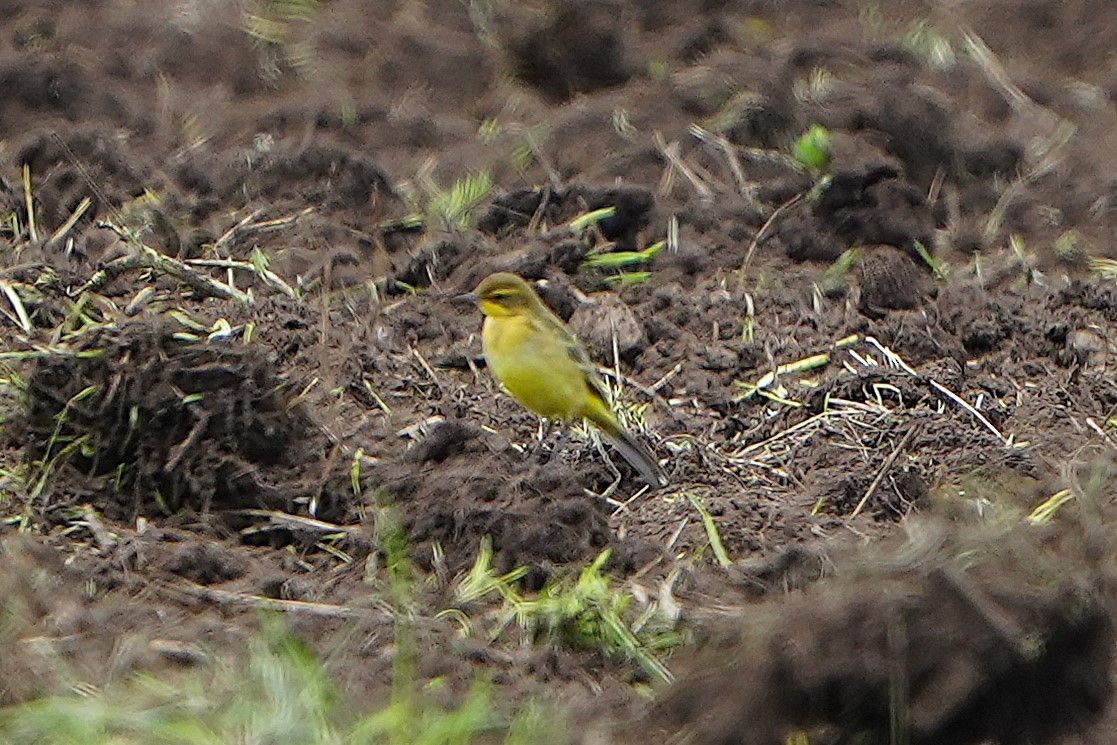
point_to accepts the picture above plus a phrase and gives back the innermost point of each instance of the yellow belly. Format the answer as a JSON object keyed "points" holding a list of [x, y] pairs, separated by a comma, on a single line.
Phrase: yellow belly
{"points": [[535, 368]]}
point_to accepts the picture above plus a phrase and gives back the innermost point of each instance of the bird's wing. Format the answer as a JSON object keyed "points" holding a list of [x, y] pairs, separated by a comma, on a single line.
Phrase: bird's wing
{"points": [[576, 351]]}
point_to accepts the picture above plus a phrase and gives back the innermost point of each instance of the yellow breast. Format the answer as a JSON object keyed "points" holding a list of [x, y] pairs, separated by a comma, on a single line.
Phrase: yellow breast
{"points": [[535, 367]]}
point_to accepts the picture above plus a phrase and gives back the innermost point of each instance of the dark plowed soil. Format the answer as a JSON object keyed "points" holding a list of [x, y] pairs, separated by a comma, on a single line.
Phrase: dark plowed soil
{"points": [[231, 412]]}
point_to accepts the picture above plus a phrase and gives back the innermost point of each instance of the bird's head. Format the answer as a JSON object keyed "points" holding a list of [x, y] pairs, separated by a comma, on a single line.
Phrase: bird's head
{"points": [[505, 294]]}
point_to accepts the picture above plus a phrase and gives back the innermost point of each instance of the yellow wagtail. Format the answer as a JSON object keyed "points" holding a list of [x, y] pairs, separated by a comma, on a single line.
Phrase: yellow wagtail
{"points": [[543, 365]]}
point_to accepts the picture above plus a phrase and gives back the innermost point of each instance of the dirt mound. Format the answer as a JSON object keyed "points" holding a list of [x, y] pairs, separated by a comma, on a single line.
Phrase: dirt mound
{"points": [[944, 637], [166, 426]]}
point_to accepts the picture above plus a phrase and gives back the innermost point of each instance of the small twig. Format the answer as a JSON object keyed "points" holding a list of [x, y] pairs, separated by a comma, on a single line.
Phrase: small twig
{"points": [[1105, 435], [654, 387], [105, 539], [537, 217], [29, 201], [805, 424], [896, 361], [1000, 80], [623, 506], [17, 305], [71, 221], [179, 451], [678, 532], [426, 366], [85, 174], [969, 408], [267, 275], [230, 234], [300, 523], [146, 257], [885, 468], [763, 230], [676, 162], [224, 597], [745, 189]]}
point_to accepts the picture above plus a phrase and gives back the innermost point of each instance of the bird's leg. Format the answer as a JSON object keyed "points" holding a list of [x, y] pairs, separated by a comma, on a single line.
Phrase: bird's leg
{"points": [[561, 440], [607, 495], [537, 451]]}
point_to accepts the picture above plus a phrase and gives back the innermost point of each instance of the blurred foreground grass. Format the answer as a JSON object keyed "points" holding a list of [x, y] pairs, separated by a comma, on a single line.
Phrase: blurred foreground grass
{"points": [[278, 694]]}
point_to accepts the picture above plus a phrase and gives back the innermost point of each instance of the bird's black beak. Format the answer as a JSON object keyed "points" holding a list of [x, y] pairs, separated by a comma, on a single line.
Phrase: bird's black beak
{"points": [[469, 298]]}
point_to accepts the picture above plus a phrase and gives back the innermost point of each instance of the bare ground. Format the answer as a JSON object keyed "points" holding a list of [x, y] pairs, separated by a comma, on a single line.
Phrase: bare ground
{"points": [[862, 503]]}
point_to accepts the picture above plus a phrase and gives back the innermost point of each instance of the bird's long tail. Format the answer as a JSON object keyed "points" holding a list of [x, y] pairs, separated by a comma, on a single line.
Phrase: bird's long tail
{"points": [[633, 450]]}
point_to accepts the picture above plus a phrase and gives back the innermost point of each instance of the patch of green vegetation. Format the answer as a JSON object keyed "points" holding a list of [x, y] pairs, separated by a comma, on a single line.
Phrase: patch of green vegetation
{"points": [[1073, 248], [625, 279], [490, 129], [620, 259], [1028, 274], [453, 208], [1103, 268], [812, 148], [589, 613], [937, 266], [589, 219], [22, 485], [273, 23], [837, 274], [712, 533], [279, 694], [456, 207]]}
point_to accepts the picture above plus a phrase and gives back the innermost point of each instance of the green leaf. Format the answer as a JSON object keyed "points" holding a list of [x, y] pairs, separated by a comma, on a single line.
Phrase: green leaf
{"points": [[812, 149]]}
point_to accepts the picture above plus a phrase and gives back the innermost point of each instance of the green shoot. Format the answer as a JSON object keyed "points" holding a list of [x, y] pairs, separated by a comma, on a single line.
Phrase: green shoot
{"points": [[455, 207], [29, 203], [585, 220], [837, 274], [482, 581], [1103, 268], [938, 268], [355, 472], [1045, 512], [748, 326], [712, 534], [587, 613], [490, 129], [812, 149], [1072, 247], [769, 379], [625, 279], [409, 223], [618, 259]]}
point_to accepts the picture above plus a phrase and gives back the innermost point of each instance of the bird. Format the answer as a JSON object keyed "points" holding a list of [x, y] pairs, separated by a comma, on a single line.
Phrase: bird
{"points": [[544, 366]]}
